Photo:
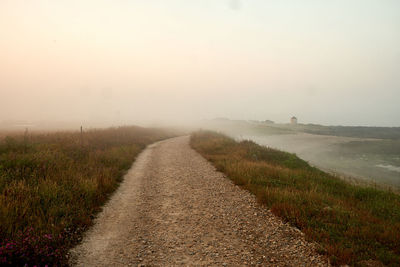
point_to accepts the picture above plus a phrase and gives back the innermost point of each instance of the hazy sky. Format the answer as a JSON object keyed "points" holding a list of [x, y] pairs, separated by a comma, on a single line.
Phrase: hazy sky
{"points": [[124, 61]]}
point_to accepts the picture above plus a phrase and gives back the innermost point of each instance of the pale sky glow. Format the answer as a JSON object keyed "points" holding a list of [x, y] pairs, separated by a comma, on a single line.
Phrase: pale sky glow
{"points": [[328, 62]]}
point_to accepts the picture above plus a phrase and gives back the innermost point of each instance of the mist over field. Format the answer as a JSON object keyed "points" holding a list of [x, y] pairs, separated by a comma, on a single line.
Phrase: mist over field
{"points": [[102, 63], [199, 132], [67, 64], [366, 155]]}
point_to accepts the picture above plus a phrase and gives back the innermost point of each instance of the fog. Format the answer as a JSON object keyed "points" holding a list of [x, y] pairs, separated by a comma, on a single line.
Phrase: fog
{"points": [[361, 155], [99, 62]]}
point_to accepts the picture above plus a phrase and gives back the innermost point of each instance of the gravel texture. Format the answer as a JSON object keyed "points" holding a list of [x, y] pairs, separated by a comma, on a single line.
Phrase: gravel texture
{"points": [[174, 208]]}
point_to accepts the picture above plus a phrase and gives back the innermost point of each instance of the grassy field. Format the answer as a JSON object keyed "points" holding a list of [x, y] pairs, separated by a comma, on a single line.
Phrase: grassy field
{"points": [[52, 184], [350, 131], [352, 224]]}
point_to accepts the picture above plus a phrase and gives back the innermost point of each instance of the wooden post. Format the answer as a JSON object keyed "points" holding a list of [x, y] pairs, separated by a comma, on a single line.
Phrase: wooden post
{"points": [[81, 136], [26, 140]]}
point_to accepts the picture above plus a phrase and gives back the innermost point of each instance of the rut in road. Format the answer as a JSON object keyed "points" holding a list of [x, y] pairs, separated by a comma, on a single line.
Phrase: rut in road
{"points": [[174, 208]]}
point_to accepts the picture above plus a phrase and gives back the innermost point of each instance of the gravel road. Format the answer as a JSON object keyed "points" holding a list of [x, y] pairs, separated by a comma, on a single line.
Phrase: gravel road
{"points": [[174, 208]]}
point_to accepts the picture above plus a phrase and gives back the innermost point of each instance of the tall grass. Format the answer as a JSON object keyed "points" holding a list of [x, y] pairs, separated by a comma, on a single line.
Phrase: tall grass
{"points": [[52, 184], [353, 224]]}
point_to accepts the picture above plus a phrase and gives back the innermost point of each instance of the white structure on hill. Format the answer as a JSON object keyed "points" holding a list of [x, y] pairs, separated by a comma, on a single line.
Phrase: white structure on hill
{"points": [[293, 120]]}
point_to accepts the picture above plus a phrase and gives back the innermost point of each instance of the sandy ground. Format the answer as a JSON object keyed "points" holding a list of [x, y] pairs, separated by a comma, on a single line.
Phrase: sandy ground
{"points": [[173, 208]]}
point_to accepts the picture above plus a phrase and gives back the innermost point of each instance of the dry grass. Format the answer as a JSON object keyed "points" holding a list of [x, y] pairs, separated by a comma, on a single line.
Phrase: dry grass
{"points": [[52, 184], [352, 223]]}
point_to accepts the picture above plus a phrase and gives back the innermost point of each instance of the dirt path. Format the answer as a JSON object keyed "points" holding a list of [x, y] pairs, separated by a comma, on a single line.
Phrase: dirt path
{"points": [[173, 208]]}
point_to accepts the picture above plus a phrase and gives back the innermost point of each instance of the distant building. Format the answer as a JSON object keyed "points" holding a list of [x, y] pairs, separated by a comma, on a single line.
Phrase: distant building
{"points": [[293, 120]]}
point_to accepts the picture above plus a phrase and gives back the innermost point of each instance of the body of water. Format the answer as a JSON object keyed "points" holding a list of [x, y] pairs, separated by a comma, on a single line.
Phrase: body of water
{"points": [[331, 153]]}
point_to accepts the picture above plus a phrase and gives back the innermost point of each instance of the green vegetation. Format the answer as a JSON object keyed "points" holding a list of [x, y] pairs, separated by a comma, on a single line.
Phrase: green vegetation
{"points": [[348, 131], [52, 184], [351, 223]]}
